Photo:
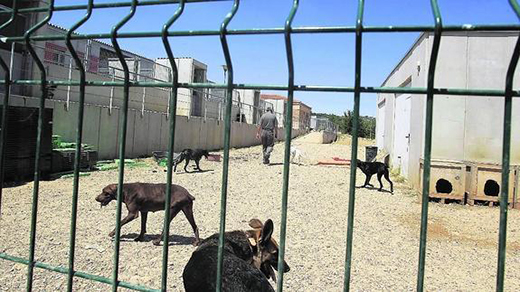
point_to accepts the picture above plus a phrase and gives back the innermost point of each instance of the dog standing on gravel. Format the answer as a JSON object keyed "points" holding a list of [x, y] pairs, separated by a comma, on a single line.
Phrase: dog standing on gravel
{"points": [[190, 154], [296, 154], [144, 198], [371, 168]]}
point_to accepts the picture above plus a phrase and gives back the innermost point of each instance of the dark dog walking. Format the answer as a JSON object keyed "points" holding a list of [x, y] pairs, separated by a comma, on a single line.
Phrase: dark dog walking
{"points": [[189, 154], [371, 168], [144, 198], [249, 259]]}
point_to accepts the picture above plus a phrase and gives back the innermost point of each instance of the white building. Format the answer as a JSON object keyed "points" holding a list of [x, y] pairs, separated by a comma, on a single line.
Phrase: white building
{"points": [[190, 102], [467, 130], [279, 105], [102, 64]]}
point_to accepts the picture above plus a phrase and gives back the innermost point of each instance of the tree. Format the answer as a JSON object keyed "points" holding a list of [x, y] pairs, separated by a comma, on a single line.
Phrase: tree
{"points": [[367, 125], [347, 123]]}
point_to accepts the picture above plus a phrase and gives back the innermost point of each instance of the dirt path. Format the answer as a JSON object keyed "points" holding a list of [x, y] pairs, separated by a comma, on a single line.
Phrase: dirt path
{"points": [[461, 253]]}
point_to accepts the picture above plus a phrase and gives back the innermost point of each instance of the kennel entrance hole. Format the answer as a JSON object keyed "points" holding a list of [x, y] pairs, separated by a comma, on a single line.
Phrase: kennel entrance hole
{"points": [[443, 186], [491, 188]]}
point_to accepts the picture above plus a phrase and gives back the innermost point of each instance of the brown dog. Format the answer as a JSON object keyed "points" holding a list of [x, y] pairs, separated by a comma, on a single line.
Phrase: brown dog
{"points": [[144, 197]]}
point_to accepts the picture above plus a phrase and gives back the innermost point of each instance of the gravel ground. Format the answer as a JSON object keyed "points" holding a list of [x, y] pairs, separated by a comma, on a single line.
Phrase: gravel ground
{"points": [[461, 254]]}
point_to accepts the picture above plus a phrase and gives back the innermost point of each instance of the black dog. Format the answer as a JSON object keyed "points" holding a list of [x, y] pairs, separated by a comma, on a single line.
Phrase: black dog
{"points": [[249, 259], [371, 168], [189, 154]]}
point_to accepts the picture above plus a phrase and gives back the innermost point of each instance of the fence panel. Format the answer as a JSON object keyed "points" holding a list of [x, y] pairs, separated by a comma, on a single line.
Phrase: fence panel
{"points": [[172, 85]]}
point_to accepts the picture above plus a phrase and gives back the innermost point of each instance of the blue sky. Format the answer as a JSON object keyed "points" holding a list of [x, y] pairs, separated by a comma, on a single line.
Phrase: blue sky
{"points": [[320, 59]]}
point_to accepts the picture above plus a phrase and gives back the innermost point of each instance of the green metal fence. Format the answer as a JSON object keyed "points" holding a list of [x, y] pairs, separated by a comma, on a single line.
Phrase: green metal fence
{"points": [[359, 29]]}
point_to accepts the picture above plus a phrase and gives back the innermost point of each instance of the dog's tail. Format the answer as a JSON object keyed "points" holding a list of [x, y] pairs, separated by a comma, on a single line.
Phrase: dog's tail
{"points": [[386, 161]]}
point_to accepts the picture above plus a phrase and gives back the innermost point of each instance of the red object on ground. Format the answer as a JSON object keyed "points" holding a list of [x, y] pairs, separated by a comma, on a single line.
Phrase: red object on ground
{"points": [[214, 157], [340, 159], [334, 162]]}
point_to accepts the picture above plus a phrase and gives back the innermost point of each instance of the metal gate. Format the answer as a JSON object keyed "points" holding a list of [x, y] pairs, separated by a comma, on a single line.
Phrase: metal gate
{"points": [[358, 29]]}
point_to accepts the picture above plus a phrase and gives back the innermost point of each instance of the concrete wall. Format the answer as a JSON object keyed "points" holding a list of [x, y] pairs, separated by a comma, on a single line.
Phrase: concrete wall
{"points": [[145, 133], [465, 128]]}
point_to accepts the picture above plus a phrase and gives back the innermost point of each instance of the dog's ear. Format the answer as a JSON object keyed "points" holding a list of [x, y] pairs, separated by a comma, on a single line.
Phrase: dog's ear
{"points": [[255, 223], [267, 231], [113, 188]]}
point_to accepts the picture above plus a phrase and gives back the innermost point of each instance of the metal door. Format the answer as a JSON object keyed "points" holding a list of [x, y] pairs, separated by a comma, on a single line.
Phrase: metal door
{"points": [[402, 133]]}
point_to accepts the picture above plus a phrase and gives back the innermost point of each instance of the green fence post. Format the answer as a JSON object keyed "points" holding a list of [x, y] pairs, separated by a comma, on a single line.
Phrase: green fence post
{"points": [[79, 136], [506, 150], [78, 274], [110, 5], [37, 159], [288, 134], [428, 144], [7, 88], [227, 138], [122, 139], [353, 155], [172, 116]]}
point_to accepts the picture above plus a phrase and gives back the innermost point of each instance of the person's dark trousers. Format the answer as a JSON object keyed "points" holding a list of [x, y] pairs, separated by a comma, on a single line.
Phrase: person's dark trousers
{"points": [[267, 144]]}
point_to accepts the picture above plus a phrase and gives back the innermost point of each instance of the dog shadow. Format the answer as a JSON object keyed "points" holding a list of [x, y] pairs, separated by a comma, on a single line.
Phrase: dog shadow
{"points": [[374, 188], [291, 163], [13, 184], [172, 239], [194, 172]]}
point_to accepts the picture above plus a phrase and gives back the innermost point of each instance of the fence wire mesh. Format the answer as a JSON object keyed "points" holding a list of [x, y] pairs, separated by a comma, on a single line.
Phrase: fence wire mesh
{"points": [[126, 82]]}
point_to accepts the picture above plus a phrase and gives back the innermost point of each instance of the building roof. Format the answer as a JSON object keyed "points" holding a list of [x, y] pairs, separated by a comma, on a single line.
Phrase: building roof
{"points": [[281, 97], [424, 35], [297, 102], [166, 58], [98, 41], [273, 96]]}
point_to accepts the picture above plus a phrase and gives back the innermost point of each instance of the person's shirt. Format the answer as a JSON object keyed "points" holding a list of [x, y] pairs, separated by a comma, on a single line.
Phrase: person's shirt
{"points": [[268, 121]]}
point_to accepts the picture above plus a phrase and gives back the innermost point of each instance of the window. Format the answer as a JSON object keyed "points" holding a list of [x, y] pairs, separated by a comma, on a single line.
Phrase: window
{"points": [[55, 54]]}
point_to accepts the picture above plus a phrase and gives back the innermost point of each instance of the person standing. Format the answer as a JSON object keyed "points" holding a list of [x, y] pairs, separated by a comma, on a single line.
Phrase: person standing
{"points": [[267, 131]]}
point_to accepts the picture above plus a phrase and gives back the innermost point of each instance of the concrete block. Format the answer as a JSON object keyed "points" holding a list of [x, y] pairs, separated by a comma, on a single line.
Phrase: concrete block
{"points": [[63, 121], [141, 135], [16, 101], [218, 139], [164, 132], [210, 133], [154, 132], [181, 133], [91, 125], [203, 135], [108, 134], [130, 130], [193, 132]]}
